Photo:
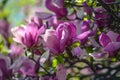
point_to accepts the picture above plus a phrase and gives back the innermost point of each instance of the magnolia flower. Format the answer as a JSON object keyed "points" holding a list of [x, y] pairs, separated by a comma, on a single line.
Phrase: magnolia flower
{"points": [[86, 32], [80, 53], [15, 50], [70, 28], [57, 6], [24, 66], [55, 41], [27, 68], [5, 72], [110, 42], [102, 18], [27, 35]]}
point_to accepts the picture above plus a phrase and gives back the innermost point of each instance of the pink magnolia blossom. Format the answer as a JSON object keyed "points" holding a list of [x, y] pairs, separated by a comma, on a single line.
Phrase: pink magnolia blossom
{"points": [[102, 18], [27, 35], [70, 28], [86, 32], [110, 42], [27, 68], [15, 50], [57, 6], [57, 40], [5, 72]]}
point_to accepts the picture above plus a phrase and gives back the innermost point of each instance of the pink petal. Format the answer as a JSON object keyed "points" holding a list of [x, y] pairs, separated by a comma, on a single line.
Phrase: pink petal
{"points": [[18, 33], [112, 46], [104, 39], [59, 3], [112, 35], [51, 40], [77, 52], [60, 12], [84, 36], [85, 26]]}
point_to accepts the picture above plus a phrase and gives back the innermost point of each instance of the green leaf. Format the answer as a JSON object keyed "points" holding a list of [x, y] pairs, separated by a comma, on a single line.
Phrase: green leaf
{"points": [[76, 44], [57, 60]]}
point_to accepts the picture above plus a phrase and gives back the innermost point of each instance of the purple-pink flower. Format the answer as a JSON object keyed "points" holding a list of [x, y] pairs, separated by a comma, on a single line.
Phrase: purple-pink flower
{"points": [[110, 42], [28, 35], [5, 72], [57, 6], [57, 40], [102, 18], [15, 50], [86, 31], [27, 68], [70, 28], [80, 53]]}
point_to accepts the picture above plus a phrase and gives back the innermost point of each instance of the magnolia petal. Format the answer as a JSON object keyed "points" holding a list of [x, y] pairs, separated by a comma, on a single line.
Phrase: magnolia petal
{"points": [[112, 35], [18, 33], [104, 39], [36, 20], [112, 47], [51, 41], [60, 12], [85, 26], [17, 64], [42, 30], [100, 56], [83, 36], [28, 68], [59, 3], [77, 51]]}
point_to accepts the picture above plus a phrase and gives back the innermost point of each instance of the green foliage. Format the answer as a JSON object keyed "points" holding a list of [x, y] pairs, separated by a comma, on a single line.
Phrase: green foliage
{"points": [[1, 42], [57, 60], [76, 44]]}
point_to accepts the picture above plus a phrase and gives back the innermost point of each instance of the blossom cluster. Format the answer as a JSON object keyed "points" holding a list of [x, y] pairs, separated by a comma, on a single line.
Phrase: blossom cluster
{"points": [[68, 41]]}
